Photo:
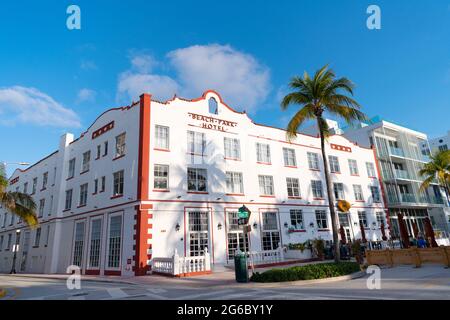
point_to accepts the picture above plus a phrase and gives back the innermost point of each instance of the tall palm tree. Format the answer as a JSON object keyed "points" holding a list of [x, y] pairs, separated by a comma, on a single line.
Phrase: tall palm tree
{"points": [[316, 95], [18, 203], [438, 168]]}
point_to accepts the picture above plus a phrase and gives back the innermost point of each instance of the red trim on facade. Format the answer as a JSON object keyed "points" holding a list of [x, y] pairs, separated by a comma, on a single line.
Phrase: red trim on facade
{"points": [[83, 172], [163, 150], [94, 272], [161, 190], [292, 167], [142, 216], [297, 198], [102, 130], [232, 159], [116, 196], [235, 194], [197, 192], [113, 273], [266, 196], [265, 163]]}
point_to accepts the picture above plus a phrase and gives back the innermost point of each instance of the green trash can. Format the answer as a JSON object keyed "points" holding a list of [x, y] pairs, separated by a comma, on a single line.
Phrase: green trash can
{"points": [[240, 267]]}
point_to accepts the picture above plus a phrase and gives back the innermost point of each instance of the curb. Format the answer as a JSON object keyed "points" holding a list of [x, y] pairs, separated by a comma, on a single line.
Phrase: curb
{"points": [[351, 276], [65, 278]]}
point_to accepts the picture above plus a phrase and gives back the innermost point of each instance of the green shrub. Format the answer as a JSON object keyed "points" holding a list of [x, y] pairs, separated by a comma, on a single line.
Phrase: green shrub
{"points": [[307, 272]]}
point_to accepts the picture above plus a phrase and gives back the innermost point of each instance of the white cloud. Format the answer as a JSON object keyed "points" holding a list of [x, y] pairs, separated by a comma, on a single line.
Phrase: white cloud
{"points": [[132, 85], [86, 94], [241, 80], [238, 76], [88, 65], [29, 105]]}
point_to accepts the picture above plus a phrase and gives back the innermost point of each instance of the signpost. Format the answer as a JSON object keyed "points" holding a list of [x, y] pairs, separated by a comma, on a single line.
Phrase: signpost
{"points": [[243, 219]]}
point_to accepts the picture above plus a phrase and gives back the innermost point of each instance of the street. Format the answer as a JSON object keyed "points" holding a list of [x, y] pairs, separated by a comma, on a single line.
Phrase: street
{"points": [[404, 282]]}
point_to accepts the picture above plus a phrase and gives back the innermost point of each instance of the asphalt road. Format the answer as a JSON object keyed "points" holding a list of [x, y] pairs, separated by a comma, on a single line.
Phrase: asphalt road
{"points": [[404, 282]]}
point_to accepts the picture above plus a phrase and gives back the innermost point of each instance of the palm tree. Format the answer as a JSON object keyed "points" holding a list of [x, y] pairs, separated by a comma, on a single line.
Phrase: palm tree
{"points": [[322, 93], [18, 203], [438, 167]]}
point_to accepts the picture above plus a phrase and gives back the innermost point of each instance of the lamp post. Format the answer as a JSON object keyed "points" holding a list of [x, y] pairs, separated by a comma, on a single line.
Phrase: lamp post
{"points": [[15, 249]]}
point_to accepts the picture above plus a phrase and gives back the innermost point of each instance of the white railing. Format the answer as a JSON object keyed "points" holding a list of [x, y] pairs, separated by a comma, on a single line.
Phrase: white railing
{"points": [[177, 265], [269, 256]]}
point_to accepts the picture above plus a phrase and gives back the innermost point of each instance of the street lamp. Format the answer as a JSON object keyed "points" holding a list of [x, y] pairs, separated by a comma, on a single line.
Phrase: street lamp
{"points": [[15, 249]]}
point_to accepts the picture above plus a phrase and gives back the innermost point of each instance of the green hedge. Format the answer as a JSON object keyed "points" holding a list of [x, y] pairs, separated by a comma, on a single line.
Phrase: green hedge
{"points": [[307, 272]]}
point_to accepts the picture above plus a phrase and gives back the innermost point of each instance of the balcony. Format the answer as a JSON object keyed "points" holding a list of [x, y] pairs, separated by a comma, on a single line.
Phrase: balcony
{"points": [[396, 152], [402, 174], [408, 197]]}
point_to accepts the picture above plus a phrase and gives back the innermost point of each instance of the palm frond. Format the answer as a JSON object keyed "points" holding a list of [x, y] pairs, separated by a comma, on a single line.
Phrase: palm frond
{"points": [[305, 113]]}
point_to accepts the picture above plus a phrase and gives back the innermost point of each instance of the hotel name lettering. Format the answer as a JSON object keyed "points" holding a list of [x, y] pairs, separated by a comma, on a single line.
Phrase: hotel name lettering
{"points": [[212, 123]]}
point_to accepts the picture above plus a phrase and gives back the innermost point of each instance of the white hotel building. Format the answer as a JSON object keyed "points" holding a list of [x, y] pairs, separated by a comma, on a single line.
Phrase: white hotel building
{"points": [[152, 177]]}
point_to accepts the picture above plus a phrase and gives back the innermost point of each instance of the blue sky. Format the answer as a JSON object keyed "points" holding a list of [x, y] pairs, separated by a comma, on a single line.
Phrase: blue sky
{"points": [[54, 80]]}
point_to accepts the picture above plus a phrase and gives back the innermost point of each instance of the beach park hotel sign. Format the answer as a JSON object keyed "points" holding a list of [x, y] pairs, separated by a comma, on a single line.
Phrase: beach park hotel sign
{"points": [[212, 123]]}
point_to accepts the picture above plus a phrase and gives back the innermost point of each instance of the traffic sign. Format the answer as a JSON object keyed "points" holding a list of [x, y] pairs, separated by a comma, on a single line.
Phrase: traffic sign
{"points": [[243, 215]]}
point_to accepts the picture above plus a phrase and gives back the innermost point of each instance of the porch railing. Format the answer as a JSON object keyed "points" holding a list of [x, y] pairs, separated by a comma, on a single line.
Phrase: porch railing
{"points": [[268, 256], [182, 266]]}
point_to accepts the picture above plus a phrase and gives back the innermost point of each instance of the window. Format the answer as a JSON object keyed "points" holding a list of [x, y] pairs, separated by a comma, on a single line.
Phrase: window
{"points": [[343, 219], [363, 219], [375, 194], [289, 157], [115, 239], [212, 106], [197, 179], [103, 185], [44, 180], [321, 219], [34, 185], [86, 159], [266, 185], [13, 218], [68, 203], [380, 218], [47, 237], [296, 219], [313, 161], [94, 245], [41, 207], [161, 179], [71, 172], [25, 187], [95, 186], [120, 145], [443, 147], [271, 233], [262, 153], [316, 186], [293, 187], [105, 148], [99, 151], [2, 237], [5, 216], [370, 169], [78, 243], [353, 166], [37, 238], [83, 194], [334, 164], [357, 189], [162, 137], [338, 191], [232, 148], [118, 183], [8, 245], [235, 182], [196, 143]]}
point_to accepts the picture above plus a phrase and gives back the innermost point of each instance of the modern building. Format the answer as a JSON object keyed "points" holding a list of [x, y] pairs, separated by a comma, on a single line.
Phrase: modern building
{"points": [[154, 177], [441, 143], [401, 153]]}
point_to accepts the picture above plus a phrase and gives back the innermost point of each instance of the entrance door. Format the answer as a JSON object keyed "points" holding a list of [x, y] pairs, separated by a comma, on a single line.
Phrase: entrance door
{"points": [[198, 232], [78, 244], [343, 221], [235, 235], [270, 231], [26, 247]]}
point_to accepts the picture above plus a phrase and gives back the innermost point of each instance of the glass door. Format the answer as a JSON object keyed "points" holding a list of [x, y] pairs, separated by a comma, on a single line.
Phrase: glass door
{"points": [[235, 235], [198, 232]]}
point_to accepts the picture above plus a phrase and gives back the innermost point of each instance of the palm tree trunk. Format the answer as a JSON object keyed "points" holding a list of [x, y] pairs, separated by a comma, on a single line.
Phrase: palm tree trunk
{"points": [[337, 257]]}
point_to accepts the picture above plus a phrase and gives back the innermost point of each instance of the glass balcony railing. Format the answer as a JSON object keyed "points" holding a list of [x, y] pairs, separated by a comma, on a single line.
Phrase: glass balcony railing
{"points": [[402, 174], [396, 151], [408, 197]]}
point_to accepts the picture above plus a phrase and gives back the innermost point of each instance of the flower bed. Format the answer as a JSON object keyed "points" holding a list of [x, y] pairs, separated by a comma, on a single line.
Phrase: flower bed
{"points": [[307, 272]]}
